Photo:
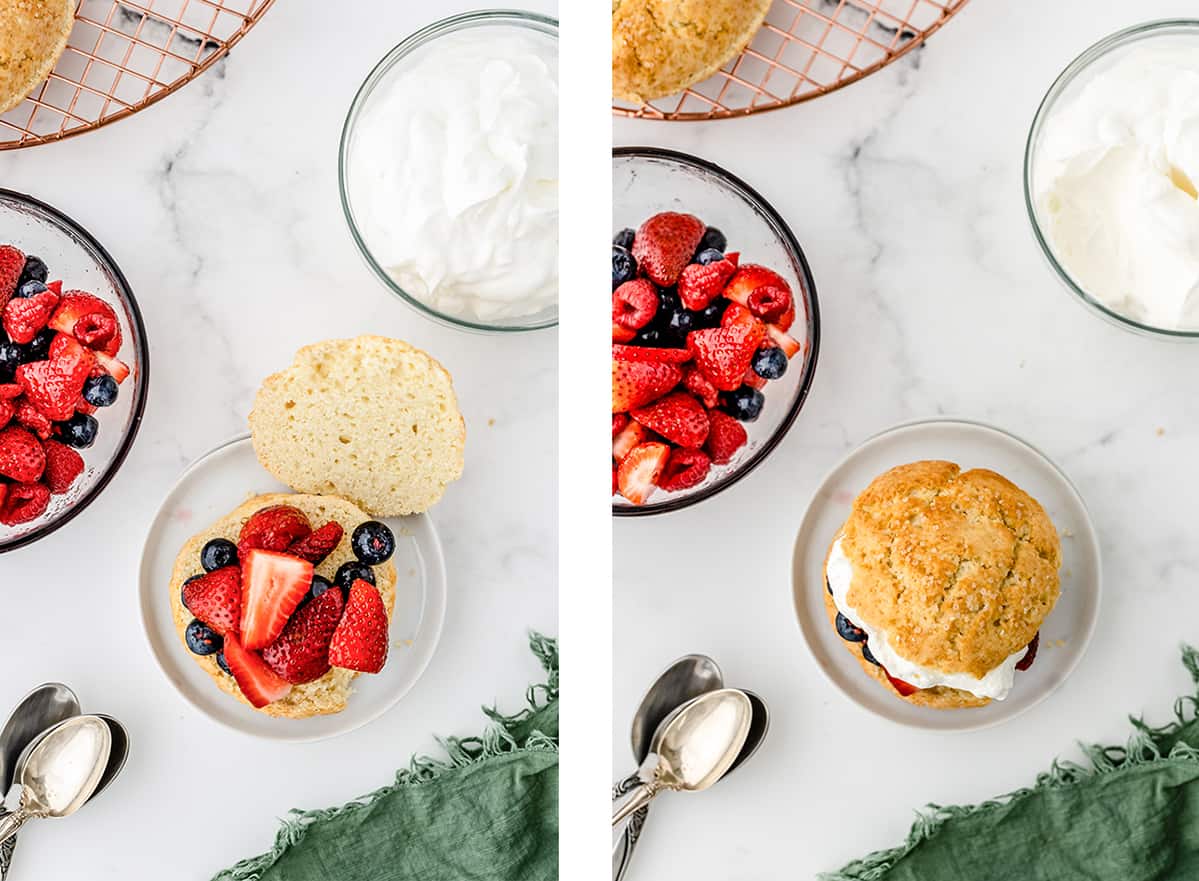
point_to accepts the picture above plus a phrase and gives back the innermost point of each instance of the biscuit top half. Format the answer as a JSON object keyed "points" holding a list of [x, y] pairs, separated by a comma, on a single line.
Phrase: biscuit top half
{"points": [[958, 567]]}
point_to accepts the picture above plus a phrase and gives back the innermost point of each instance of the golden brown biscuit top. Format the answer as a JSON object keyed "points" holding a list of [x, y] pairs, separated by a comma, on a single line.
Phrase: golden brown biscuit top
{"points": [[959, 568]]}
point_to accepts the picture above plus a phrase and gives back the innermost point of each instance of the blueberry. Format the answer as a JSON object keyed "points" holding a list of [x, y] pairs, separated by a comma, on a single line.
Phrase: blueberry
{"points": [[28, 289], [680, 322], [79, 431], [373, 543], [744, 403], [100, 391], [319, 586], [222, 663], [10, 360], [711, 314], [868, 656], [650, 336], [202, 639], [708, 255], [624, 239], [847, 631], [770, 362], [182, 598], [217, 554], [35, 268], [624, 266], [713, 238], [828, 586], [37, 349], [348, 573]]}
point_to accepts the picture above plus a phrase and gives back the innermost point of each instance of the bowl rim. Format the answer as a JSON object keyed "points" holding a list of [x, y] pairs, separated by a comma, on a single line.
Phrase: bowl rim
{"points": [[140, 388], [784, 232], [518, 18], [1082, 62]]}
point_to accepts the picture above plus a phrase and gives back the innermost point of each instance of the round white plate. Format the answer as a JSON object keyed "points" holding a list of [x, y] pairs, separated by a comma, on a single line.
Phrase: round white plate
{"points": [[210, 488], [1065, 633]]}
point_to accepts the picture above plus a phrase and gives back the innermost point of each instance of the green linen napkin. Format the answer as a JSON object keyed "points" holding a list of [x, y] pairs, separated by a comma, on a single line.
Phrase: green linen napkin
{"points": [[487, 812], [1130, 814]]}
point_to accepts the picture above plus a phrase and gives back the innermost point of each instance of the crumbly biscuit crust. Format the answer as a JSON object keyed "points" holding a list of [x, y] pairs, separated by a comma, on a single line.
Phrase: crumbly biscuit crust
{"points": [[33, 34]]}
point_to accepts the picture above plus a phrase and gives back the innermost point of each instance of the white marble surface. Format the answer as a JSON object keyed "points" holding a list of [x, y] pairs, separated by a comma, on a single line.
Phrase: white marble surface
{"points": [[221, 206], [905, 191]]}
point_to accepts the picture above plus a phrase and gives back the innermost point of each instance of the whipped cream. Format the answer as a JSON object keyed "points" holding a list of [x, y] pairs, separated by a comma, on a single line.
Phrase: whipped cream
{"points": [[1114, 178], [995, 684], [453, 173]]}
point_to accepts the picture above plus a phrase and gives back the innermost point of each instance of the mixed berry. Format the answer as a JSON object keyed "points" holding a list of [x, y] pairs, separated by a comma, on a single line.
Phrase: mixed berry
{"points": [[696, 336], [58, 366], [270, 620]]}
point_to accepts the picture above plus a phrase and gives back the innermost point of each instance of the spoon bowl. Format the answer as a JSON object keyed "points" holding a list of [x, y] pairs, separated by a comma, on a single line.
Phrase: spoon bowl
{"points": [[687, 678], [41, 709]]}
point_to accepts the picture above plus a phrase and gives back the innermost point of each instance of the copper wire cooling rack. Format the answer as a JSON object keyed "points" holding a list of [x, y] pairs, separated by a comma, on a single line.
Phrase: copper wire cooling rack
{"points": [[805, 49], [123, 56]]}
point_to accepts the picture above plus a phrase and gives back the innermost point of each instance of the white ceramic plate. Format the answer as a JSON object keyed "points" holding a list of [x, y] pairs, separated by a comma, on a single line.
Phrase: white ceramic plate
{"points": [[210, 488], [1065, 633]]}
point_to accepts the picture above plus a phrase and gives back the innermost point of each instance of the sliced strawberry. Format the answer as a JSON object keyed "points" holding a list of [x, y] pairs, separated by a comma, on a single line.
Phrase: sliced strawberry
{"points": [[904, 688], [12, 264], [621, 334], [619, 421], [275, 528], [700, 386], [1030, 655], [10, 390], [4, 490], [736, 315], [54, 386], [725, 437], [634, 304], [30, 417], [259, 683], [315, 547], [615, 484], [63, 466], [360, 640], [699, 285], [8, 409], [769, 302], [749, 278], [25, 316], [628, 437], [678, 417], [638, 474], [55, 286], [24, 502], [665, 244], [114, 367], [753, 380], [650, 353], [301, 653], [636, 383], [215, 598], [76, 305], [21, 456], [272, 586], [723, 354], [789, 344], [685, 468]]}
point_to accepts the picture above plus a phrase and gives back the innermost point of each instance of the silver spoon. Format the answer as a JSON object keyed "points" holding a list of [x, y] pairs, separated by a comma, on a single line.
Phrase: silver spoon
{"points": [[117, 754], [42, 708], [61, 772], [695, 747]]}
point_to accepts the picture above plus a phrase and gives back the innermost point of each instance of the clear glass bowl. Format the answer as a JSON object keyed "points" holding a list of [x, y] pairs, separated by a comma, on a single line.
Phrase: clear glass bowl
{"points": [[1103, 52], [73, 255], [645, 181], [422, 41]]}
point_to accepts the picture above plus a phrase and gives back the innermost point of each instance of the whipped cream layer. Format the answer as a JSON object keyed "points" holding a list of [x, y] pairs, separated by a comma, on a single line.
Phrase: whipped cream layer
{"points": [[1115, 175], [995, 685], [453, 173]]}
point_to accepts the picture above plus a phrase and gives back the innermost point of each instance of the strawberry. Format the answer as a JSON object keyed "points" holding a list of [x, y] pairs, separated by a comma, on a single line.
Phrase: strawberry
{"points": [[10, 390], [615, 484], [749, 278], [63, 466], [215, 598], [259, 683], [725, 437], [114, 367], [25, 316], [1030, 655], [619, 421], [275, 528], [636, 383], [700, 386], [29, 416], [76, 305], [904, 688], [98, 331], [4, 489], [621, 334], [12, 264], [7, 409], [54, 386], [301, 653], [272, 585], [650, 353], [21, 455], [315, 547], [678, 417], [665, 244], [55, 286], [769, 302], [360, 640], [789, 344], [685, 468], [628, 437], [737, 314], [639, 472], [753, 380], [699, 285], [723, 354], [634, 304], [24, 502]]}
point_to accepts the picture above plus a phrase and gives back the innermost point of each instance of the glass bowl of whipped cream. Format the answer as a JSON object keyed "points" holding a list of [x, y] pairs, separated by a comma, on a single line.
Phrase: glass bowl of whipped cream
{"points": [[448, 170], [1111, 172]]}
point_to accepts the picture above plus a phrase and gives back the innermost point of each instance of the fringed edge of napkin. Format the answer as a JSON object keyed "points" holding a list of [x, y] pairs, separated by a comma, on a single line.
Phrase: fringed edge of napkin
{"points": [[499, 739], [1143, 748]]}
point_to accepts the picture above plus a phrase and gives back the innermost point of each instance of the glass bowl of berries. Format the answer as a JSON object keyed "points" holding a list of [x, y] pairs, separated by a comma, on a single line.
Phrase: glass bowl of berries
{"points": [[715, 330], [73, 369]]}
